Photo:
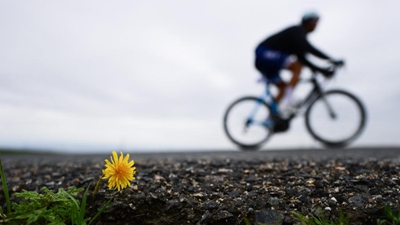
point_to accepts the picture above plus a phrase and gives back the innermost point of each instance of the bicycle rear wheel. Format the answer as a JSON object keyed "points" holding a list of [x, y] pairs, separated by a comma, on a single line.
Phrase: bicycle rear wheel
{"points": [[336, 119], [245, 123]]}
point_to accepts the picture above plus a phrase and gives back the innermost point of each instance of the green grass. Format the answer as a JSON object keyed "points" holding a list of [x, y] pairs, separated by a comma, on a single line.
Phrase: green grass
{"points": [[342, 220], [392, 218], [46, 207], [5, 189]]}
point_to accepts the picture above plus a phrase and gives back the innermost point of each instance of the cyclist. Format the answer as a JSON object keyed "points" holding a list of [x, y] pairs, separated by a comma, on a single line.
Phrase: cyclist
{"points": [[287, 50]]}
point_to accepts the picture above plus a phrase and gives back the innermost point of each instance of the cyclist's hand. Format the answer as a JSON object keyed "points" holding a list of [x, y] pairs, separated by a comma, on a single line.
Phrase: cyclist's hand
{"points": [[337, 62], [328, 72]]}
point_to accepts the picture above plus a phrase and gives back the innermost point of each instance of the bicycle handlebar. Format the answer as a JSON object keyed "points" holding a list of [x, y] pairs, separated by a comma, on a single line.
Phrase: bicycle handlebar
{"points": [[331, 69]]}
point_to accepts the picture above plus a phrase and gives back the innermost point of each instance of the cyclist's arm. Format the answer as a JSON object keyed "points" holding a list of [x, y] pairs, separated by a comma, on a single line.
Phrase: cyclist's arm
{"points": [[311, 49], [302, 47], [306, 47], [302, 58]]}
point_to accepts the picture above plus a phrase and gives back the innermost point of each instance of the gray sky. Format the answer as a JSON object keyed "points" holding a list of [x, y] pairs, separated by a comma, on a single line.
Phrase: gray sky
{"points": [[156, 74]]}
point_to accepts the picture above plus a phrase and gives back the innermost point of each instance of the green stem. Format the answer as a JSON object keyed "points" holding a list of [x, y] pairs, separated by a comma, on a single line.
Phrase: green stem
{"points": [[5, 188], [96, 188]]}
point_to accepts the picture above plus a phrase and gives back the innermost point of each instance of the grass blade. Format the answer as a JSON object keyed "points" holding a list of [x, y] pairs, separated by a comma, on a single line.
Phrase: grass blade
{"points": [[5, 188], [83, 205], [72, 198], [100, 211], [247, 222]]}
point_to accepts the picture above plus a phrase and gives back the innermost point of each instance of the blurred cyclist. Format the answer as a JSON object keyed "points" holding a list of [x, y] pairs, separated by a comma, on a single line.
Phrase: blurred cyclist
{"points": [[287, 50]]}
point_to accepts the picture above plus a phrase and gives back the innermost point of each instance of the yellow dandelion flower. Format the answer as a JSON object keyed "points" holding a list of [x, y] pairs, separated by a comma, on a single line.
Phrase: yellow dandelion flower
{"points": [[119, 171]]}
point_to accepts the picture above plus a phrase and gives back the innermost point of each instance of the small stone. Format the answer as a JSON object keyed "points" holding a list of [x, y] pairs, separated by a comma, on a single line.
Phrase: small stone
{"points": [[173, 204], [252, 193], [198, 195], [239, 203], [303, 198], [87, 180], [158, 178], [224, 170], [251, 203], [357, 201], [249, 187], [340, 168], [332, 201], [50, 184], [209, 205], [27, 175], [153, 195], [132, 206], [204, 217], [274, 201], [223, 214], [320, 193]]}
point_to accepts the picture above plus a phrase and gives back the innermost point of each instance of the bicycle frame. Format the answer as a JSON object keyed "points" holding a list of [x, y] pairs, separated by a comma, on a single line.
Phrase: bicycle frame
{"points": [[266, 97], [314, 93]]}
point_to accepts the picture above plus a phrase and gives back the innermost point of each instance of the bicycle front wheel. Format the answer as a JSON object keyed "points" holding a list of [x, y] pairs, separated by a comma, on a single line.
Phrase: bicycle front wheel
{"points": [[245, 123], [336, 118]]}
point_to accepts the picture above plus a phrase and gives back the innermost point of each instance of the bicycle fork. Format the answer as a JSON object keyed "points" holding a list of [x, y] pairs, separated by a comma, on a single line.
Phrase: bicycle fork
{"points": [[332, 114]]}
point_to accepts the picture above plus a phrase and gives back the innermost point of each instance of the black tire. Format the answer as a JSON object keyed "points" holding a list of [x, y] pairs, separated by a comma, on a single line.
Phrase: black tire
{"points": [[233, 124], [340, 101]]}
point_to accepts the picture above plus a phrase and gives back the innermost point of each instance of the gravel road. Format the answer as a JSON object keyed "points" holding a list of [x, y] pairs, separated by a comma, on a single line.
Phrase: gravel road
{"points": [[224, 187]]}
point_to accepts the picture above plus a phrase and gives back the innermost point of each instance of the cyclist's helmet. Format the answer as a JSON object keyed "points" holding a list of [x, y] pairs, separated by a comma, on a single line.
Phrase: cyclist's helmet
{"points": [[310, 16]]}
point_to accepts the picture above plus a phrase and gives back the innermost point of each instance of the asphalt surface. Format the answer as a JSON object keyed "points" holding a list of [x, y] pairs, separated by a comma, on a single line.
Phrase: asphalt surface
{"points": [[357, 153], [225, 186]]}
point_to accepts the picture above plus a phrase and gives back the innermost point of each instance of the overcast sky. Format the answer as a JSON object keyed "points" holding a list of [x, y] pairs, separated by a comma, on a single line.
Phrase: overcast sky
{"points": [[158, 75]]}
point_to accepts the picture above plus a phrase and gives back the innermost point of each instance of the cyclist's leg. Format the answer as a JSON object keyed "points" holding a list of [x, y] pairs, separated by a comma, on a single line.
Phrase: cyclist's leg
{"points": [[294, 67], [281, 89]]}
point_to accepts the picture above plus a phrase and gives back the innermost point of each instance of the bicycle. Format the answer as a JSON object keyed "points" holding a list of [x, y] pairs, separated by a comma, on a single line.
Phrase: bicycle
{"points": [[334, 117]]}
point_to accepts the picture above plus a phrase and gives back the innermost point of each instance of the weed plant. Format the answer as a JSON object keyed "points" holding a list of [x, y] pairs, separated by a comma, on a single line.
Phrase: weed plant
{"points": [[342, 220], [392, 218], [47, 207]]}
